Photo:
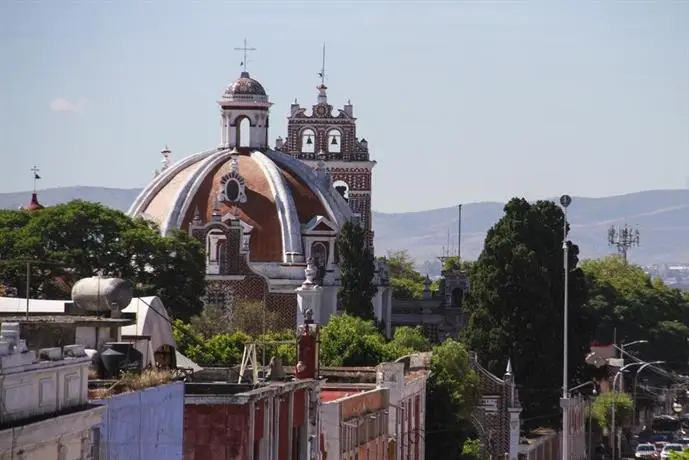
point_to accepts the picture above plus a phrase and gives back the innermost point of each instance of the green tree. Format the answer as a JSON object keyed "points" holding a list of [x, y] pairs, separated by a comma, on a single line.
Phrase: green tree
{"points": [[624, 299], [82, 239], [516, 305], [407, 340], [351, 341], [356, 271], [405, 281], [452, 392], [684, 455], [453, 262], [471, 449], [602, 408]]}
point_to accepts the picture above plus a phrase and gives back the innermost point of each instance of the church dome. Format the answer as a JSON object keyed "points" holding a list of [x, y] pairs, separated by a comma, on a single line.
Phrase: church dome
{"points": [[244, 86], [272, 194], [33, 205]]}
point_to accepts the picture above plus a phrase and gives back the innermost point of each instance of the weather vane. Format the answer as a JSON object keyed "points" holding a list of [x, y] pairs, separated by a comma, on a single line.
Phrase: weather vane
{"points": [[245, 49]]}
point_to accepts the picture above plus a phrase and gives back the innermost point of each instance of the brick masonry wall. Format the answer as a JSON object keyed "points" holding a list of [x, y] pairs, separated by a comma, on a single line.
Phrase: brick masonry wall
{"points": [[216, 432]]}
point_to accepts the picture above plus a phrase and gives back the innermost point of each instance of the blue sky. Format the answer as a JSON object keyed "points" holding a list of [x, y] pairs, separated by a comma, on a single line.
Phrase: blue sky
{"points": [[460, 101]]}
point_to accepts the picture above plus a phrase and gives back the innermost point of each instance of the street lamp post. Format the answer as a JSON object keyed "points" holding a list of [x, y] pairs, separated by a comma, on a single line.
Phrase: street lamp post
{"points": [[590, 435], [622, 351], [614, 404], [625, 345], [565, 201], [636, 378]]}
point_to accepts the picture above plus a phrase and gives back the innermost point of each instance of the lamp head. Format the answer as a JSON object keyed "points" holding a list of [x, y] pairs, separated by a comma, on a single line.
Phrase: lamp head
{"points": [[565, 201]]}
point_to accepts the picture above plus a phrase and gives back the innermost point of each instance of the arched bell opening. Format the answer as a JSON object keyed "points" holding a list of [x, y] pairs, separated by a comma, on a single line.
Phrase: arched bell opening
{"points": [[308, 141], [243, 126], [334, 141]]}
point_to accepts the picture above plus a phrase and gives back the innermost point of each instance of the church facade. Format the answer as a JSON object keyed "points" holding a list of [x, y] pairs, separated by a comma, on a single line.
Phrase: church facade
{"points": [[263, 213]]}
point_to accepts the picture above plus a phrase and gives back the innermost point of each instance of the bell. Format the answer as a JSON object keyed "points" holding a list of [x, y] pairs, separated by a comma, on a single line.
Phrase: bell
{"points": [[309, 141], [334, 141]]}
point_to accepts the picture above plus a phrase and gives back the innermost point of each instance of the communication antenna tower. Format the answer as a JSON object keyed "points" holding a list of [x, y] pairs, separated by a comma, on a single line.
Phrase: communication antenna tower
{"points": [[623, 239]]}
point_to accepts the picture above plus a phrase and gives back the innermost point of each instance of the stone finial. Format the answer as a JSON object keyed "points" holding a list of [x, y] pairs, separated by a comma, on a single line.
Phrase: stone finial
{"points": [[508, 369], [197, 217], [310, 271], [216, 216]]}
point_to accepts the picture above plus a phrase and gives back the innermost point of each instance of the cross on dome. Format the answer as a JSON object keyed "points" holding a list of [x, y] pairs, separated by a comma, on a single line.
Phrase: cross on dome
{"points": [[322, 72], [245, 49]]}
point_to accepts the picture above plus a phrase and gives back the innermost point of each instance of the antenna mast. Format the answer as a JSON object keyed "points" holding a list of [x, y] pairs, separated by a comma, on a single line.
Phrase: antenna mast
{"points": [[623, 239], [459, 235]]}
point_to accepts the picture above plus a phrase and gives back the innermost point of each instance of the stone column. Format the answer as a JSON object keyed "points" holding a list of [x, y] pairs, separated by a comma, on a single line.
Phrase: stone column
{"points": [[309, 297], [515, 424]]}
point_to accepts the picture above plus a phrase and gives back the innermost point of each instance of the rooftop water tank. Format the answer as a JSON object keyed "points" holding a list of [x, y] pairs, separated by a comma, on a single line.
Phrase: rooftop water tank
{"points": [[112, 362], [98, 294]]}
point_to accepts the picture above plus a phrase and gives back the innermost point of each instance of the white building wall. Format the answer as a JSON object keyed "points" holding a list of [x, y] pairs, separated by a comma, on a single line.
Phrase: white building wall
{"points": [[66, 437], [330, 425], [47, 384]]}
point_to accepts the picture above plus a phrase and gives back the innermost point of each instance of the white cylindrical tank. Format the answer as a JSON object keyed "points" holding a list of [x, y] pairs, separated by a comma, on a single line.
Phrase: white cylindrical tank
{"points": [[102, 294]]}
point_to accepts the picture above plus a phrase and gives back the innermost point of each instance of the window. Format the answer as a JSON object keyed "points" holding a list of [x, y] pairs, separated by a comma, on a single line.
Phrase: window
{"points": [[243, 132]]}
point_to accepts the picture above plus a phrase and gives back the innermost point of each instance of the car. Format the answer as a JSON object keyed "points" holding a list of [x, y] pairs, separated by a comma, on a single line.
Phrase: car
{"points": [[669, 448], [646, 450]]}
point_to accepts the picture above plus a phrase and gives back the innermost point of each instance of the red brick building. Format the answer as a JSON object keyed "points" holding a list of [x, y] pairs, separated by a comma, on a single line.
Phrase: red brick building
{"points": [[380, 419], [227, 421]]}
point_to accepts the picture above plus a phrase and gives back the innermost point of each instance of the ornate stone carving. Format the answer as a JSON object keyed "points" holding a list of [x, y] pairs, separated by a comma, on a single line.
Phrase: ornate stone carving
{"points": [[232, 185]]}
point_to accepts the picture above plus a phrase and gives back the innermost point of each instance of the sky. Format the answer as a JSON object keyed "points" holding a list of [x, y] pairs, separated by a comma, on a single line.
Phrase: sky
{"points": [[459, 101]]}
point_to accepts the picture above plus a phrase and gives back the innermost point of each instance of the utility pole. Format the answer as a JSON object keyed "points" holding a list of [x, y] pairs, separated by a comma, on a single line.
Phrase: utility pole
{"points": [[565, 201], [623, 239]]}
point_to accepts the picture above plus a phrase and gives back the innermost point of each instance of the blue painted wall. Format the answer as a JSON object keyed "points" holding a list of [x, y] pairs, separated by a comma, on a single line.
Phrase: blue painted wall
{"points": [[145, 425]]}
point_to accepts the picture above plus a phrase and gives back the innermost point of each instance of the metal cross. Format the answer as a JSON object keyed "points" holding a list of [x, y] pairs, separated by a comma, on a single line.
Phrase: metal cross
{"points": [[35, 171], [322, 72], [245, 49]]}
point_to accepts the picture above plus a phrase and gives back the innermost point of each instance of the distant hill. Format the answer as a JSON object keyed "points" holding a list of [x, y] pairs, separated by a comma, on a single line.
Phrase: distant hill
{"points": [[662, 216]]}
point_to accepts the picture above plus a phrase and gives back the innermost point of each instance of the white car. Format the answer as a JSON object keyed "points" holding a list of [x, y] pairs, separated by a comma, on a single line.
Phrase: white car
{"points": [[647, 451], [670, 447]]}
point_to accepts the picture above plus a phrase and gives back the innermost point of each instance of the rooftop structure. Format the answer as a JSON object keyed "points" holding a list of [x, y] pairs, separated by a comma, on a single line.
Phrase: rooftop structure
{"points": [[45, 411]]}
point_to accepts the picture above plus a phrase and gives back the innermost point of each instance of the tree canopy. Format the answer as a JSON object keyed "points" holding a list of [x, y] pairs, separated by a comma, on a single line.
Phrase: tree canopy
{"points": [[405, 281], [601, 409], [628, 304], [516, 305], [452, 392], [80, 239], [357, 270]]}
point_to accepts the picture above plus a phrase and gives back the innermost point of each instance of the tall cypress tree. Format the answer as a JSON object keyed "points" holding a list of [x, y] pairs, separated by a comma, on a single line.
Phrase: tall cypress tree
{"points": [[516, 306], [357, 270]]}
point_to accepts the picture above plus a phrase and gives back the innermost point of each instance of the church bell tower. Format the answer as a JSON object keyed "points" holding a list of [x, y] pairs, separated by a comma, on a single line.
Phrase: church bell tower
{"points": [[244, 109], [326, 137]]}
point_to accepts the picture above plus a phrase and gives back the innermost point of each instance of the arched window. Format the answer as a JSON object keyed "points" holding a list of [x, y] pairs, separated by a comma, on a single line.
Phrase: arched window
{"points": [[334, 141], [308, 141], [319, 254], [215, 251], [342, 188], [244, 132]]}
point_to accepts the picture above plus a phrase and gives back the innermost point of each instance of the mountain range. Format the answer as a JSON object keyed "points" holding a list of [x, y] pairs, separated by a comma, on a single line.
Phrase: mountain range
{"points": [[662, 217]]}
